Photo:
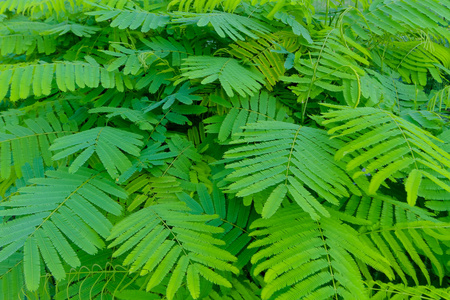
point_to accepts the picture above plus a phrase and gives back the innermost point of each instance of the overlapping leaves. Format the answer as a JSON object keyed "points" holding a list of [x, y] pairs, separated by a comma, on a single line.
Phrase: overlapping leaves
{"points": [[387, 146], [281, 159], [232, 76], [164, 238], [106, 142], [70, 209], [306, 259]]}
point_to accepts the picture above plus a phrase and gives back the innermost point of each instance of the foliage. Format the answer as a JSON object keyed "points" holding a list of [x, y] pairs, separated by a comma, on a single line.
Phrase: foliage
{"points": [[224, 149]]}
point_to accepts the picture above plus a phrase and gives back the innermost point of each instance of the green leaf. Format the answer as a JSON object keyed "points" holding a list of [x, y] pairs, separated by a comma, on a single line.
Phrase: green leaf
{"points": [[278, 153], [106, 142], [307, 256], [177, 277], [385, 145], [231, 75], [32, 264], [131, 19], [63, 213], [412, 185], [274, 201], [226, 24], [193, 281], [162, 234]]}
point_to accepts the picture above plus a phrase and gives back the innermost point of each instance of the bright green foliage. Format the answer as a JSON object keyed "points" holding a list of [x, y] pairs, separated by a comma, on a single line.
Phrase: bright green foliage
{"points": [[262, 52], [224, 149], [66, 210], [312, 258], [245, 110], [165, 237], [328, 60], [381, 139], [277, 156], [396, 17], [229, 25], [131, 19], [23, 144], [231, 75], [389, 291], [105, 142], [402, 243]]}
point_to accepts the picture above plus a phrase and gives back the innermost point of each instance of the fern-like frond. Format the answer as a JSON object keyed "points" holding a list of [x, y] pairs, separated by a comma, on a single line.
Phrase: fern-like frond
{"points": [[175, 158], [260, 107], [77, 29], [381, 290], [106, 142], [115, 4], [29, 171], [11, 278], [23, 80], [148, 190], [330, 65], [297, 25], [153, 64], [166, 237], [293, 9], [234, 219], [262, 53], [430, 121], [398, 17], [202, 6], [97, 277], [234, 26], [440, 99], [306, 259], [20, 36], [21, 144], [437, 196], [232, 76], [412, 246], [138, 117], [286, 159], [415, 60], [387, 146], [154, 79], [382, 210], [68, 209], [131, 19], [242, 289], [69, 113], [36, 6], [176, 50], [182, 96], [391, 93], [224, 149]]}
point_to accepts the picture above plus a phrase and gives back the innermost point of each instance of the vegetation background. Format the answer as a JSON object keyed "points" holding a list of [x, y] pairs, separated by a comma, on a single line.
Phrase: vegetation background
{"points": [[224, 149]]}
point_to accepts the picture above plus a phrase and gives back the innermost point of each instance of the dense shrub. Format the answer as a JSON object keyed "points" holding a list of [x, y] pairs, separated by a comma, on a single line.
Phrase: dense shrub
{"points": [[224, 149]]}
